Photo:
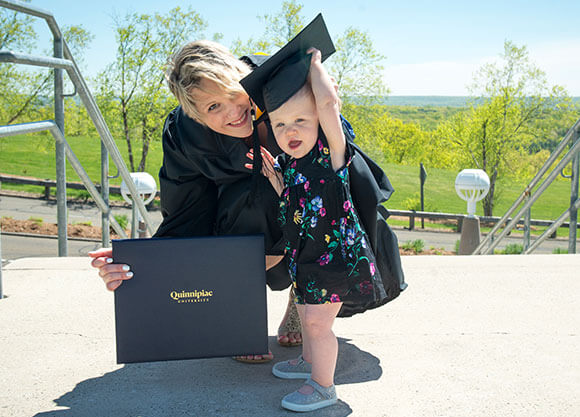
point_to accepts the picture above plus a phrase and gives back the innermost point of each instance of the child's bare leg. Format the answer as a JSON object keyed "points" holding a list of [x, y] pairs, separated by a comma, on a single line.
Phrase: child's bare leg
{"points": [[320, 346]]}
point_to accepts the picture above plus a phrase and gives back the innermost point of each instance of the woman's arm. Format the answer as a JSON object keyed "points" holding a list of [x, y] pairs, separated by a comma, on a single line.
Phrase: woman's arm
{"points": [[328, 108]]}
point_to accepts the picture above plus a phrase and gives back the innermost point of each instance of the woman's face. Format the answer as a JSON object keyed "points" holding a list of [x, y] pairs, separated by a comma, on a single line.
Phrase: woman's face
{"points": [[223, 112]]}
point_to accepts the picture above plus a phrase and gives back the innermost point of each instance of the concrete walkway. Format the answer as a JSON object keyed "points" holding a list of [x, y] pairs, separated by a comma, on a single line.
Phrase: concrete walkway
{"points": [[472, 336]]}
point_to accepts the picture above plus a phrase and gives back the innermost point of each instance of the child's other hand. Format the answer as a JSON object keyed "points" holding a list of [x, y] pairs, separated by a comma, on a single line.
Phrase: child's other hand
{"points": [[268, 162], [269, 170]]}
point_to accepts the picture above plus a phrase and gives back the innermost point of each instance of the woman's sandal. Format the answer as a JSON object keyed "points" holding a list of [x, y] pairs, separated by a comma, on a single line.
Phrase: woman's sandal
{"points": [[291, 324]]}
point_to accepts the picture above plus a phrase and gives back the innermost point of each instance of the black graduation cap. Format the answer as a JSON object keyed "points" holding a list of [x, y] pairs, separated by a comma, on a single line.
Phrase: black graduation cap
{"points": [[277, 79]]}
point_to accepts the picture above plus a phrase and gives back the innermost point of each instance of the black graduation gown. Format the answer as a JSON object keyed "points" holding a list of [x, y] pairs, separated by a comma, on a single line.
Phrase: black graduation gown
{"points": [[369, 187], [206, 190]]}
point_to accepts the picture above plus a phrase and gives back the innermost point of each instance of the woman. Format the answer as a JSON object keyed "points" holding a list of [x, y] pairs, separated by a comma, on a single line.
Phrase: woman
{"points": [[205, 188]]}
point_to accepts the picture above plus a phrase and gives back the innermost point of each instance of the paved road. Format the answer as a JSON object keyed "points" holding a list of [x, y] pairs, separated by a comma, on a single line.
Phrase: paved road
{"points": [[15, 247]]}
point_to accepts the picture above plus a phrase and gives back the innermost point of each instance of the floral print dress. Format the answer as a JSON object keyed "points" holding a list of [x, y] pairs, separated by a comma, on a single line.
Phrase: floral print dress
{"points": [[329, 258]]}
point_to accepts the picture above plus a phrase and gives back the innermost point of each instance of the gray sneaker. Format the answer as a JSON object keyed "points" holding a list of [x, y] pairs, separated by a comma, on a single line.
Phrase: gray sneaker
{"points": [[285, 370], [320, 398]]}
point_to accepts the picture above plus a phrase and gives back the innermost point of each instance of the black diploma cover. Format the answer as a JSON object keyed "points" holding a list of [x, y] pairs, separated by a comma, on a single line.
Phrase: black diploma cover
{"points": [[191, 298]]}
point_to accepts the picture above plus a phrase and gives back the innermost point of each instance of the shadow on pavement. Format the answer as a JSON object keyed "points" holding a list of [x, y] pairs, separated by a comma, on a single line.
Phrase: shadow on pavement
{"points": [[207, 387]]}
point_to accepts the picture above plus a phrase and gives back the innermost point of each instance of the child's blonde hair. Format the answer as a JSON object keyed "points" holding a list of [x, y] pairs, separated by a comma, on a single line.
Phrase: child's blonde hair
{"points": [[203, 60]]}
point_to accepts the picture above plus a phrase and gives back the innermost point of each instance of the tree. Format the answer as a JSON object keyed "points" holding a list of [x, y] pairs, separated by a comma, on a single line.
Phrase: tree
{"points": [[24, 90], [510, 95], [133, 87], [385, 138], [284, 25], [357, 67], [279, 28]]}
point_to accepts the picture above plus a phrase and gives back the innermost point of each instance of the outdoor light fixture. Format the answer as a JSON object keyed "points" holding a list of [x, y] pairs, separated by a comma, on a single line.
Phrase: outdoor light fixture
{"points": [[147, 188], [472, 185]]}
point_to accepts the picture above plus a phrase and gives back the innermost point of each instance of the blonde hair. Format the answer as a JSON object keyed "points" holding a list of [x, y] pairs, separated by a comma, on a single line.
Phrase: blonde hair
{"points": [[203, 60]]}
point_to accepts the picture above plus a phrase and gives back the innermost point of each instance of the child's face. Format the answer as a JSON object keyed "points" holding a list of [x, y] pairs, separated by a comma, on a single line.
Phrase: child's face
{"points": [[295, 124]]}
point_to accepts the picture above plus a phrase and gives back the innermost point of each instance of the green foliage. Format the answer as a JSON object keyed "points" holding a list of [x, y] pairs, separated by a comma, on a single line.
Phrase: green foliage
{"points": [[282, 26], [428, 117], [279, 28], [416, 246], [457, 244], [24, 90], [437, 251], [560, 251], [37, 220], [357, 66], [132, 90], [414, 203], [123, 220], [85, 223], [511, 95], [510, 249], [385, 138], [83, 195]]}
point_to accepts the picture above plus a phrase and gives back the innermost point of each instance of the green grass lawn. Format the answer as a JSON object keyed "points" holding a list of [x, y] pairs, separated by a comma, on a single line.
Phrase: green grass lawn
{"points": [[33, 155]]}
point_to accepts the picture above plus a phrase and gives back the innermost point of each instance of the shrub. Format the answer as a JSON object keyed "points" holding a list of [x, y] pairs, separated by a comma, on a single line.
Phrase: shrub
{"points": [[414, 203], [415, 245], [37, 220], [511, 249], [123, 220]]}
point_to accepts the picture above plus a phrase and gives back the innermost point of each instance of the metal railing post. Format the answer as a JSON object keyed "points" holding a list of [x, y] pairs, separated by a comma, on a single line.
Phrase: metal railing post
{"points": [[1, 291], [573, 197], [527, 227], [105, 234], [60, 158], [109, 147]]}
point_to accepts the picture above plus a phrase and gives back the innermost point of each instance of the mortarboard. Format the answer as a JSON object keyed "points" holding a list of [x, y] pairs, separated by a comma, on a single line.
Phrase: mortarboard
{"points": [[277, 79]]}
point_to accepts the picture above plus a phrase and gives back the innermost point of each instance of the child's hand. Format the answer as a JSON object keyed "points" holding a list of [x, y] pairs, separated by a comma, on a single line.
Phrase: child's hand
{"points": [[268, 168], [316, 56], [268, 162], [317, 59]]}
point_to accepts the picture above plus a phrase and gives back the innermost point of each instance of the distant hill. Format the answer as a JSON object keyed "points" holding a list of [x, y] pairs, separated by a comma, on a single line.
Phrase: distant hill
{"points": [[420, 101], [443, 101]]}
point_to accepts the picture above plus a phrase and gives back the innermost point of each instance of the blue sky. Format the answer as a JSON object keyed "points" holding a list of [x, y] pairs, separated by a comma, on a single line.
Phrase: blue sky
{"points": [[431, 47]]}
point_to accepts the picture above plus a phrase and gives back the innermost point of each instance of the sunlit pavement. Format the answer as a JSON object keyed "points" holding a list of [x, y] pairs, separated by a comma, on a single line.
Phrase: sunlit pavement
{"points": [[472, 336]]}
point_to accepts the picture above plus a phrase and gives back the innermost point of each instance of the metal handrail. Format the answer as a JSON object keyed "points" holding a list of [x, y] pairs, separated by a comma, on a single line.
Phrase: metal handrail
{"points": [[572, 134], [50, 125], [80, 86]]}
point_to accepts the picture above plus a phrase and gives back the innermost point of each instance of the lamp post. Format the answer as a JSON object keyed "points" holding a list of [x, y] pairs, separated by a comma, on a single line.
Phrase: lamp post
{"points": [[146, 187], [471, 185]]}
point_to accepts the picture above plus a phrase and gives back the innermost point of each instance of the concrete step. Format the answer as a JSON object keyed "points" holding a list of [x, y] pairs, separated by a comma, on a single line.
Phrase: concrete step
{"points": [[477, 336]]}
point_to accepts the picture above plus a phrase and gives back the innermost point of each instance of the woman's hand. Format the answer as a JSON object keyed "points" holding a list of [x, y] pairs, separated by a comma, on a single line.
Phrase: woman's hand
{"points": [[112, 274], [268, 170]]}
